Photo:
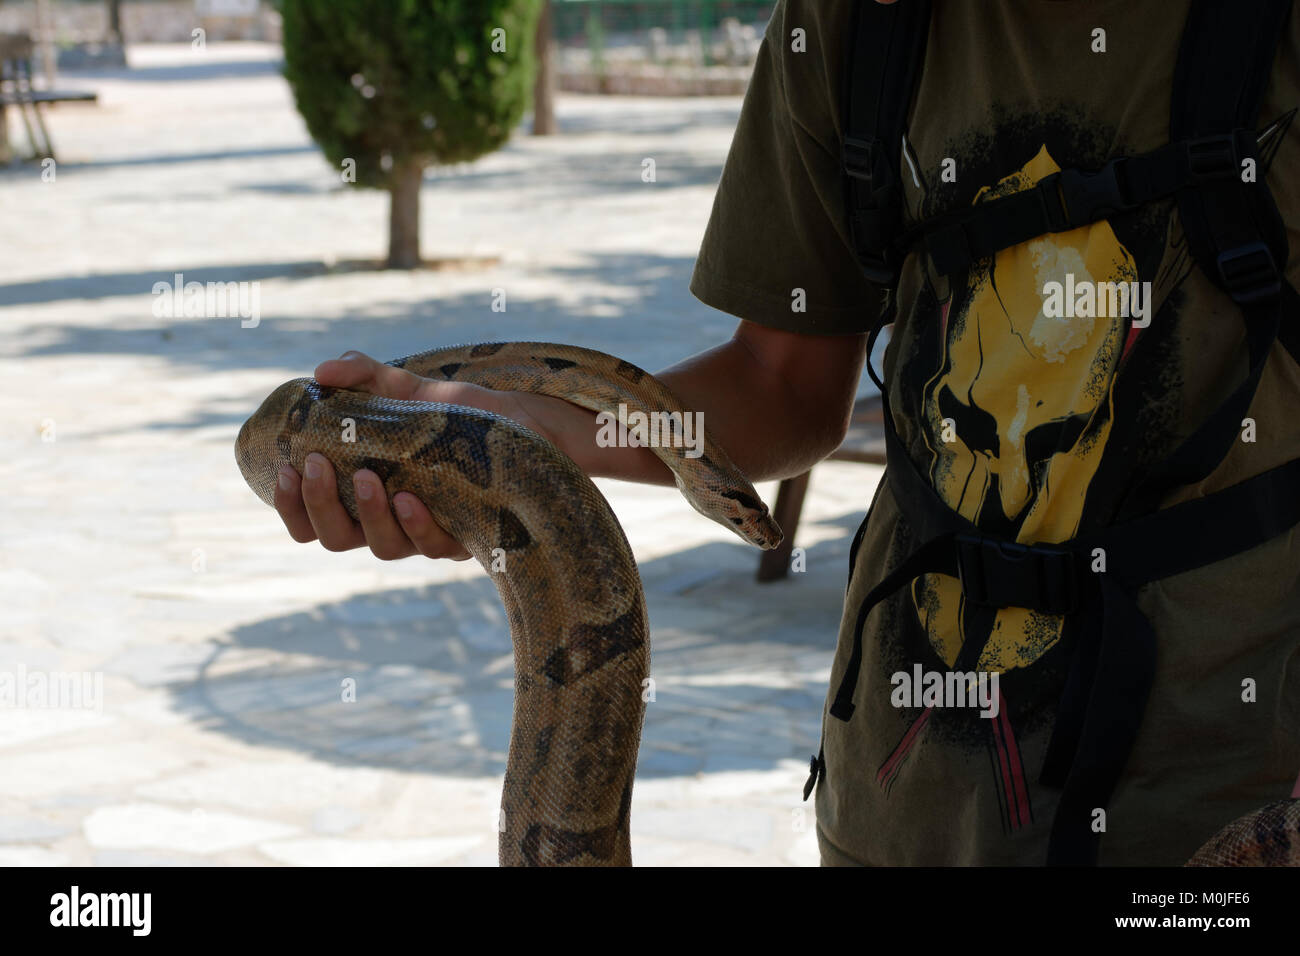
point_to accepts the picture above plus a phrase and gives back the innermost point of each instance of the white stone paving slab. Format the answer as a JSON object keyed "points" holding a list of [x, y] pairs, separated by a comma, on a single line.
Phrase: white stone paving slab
{"points": [[269, 786], [321, 851], [103, 766], [150, 826]]}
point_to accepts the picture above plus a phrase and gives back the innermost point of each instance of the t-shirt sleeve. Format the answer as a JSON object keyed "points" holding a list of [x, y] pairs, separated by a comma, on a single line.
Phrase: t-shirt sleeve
{"points": [[779, 223]]}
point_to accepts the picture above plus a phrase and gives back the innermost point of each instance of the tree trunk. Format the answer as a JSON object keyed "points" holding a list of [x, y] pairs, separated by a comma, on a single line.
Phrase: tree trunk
{"points": [[544, 84], [44, 39], [115, 20], [404, 216]]}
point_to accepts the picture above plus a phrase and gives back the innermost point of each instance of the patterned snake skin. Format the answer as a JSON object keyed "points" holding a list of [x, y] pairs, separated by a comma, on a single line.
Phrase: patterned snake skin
{"points": [[1268, 837], [569, 584]]}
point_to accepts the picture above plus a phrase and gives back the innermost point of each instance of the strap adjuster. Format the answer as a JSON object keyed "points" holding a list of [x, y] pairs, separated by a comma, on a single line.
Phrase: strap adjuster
{"points": [[862, 159], [873, 208], [1249, 273], [998, 573], [1053, 207], [1212, 157]]}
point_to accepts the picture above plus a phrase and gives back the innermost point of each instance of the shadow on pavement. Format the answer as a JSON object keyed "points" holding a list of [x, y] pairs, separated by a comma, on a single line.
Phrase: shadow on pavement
{"points": [[433, 671], [647, 285]]}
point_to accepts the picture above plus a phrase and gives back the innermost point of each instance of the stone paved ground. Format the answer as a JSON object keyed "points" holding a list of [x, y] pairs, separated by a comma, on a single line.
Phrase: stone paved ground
{"points": [[131, 551]]}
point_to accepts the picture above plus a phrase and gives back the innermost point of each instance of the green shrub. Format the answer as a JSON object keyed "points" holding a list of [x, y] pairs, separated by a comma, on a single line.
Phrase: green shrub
{"points": [[397, 85]]}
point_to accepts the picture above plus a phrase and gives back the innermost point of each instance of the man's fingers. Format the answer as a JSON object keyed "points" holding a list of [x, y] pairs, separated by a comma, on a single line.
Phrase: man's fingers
{"points": [[334, 526], [289, 505], [310, 508], [385, 537], [427, 536]]}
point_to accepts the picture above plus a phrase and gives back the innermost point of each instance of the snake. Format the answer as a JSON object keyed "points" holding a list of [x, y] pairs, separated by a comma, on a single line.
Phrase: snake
{"points": [[549, 540], [564, 570], [1270, 836]]}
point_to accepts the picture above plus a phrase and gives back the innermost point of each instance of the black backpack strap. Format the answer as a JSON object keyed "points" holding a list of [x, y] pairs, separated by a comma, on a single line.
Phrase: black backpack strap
{"points": [[887, 49], [1234, 230], [1237, 238], [1072, 198]]}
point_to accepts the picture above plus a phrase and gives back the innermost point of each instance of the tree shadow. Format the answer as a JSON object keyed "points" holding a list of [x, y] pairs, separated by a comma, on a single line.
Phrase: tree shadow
{"points": [[635, 122], [107, 285], [205, 66], [569, 176], [616, 289], [740, 671], [167, 159]]}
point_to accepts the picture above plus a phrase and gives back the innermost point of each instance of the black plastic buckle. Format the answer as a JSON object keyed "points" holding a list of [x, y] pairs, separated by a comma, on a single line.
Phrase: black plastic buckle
{"points": [[1053, 206], [1079, 197], [1091, 196], [1249, 273], [865, 160], [998, 573], [1213, 157], [859, 157], [872, 206]]}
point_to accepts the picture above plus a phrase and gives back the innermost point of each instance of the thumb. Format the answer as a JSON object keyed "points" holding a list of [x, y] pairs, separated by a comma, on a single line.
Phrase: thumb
{"points": [[360, 371]]}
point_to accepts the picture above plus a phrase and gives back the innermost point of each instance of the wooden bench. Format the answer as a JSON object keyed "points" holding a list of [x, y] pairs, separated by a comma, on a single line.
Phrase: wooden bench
{"points": [[864, 443], [16, 90]]}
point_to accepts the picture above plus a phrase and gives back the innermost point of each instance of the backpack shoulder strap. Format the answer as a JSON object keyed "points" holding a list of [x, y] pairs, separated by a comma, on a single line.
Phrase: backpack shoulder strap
{"points": [[1234, 230], [887, 47], [1233, 227]]}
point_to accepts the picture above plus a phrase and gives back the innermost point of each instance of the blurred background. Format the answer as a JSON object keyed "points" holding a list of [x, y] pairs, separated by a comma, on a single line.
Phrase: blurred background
{"points": [[200, 200]]}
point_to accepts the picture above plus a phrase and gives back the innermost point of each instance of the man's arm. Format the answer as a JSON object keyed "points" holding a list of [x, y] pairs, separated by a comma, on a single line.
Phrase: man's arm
{"points": [[777, 402]]}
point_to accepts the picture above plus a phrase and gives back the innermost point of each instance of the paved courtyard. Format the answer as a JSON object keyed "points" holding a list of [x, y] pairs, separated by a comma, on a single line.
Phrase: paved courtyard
{"points": [[132, 553]]}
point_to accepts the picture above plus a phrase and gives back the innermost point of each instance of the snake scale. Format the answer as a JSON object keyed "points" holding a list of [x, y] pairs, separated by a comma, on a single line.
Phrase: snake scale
{"points": [[564, 571]]}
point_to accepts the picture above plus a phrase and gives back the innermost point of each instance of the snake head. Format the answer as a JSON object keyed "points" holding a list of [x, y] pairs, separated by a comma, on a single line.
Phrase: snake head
{"points": [[263, 445], [746, 514]]}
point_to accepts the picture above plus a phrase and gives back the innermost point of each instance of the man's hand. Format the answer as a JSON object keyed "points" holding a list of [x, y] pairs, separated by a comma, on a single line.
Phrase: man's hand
{"points": [[309, 504], [777, 401]]}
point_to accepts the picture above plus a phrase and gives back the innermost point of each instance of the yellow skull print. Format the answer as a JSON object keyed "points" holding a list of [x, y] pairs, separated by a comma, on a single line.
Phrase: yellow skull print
{"points": [[1018, 414]]}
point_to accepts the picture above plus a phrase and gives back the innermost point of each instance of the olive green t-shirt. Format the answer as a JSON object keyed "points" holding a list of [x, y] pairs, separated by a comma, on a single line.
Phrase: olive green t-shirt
{"points": [[1049, 418]]}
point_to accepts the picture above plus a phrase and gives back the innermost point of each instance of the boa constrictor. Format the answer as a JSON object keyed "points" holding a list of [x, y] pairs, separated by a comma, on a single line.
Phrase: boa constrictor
{"points": [[570, 584]]}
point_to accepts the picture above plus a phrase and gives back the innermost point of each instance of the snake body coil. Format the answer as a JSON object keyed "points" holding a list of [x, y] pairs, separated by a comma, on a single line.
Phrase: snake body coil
{"points": [[570, 584]]}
